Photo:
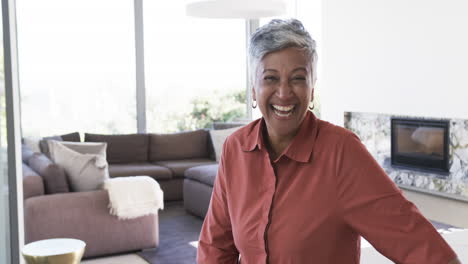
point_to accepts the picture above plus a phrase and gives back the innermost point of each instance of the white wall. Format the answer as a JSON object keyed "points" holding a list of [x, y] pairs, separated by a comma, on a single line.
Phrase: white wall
{"points": [[396, 57]]}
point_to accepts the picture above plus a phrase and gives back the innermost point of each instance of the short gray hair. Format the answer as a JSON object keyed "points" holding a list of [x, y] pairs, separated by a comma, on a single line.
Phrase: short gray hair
{"points": [[279, 34]]}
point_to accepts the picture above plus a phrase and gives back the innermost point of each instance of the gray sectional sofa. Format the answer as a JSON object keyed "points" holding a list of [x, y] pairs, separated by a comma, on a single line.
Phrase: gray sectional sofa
{"points": [[165, 157], [182, 163]]}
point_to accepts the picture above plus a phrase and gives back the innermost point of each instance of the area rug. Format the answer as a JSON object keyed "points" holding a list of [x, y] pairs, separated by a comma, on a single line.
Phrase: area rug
{"points": [[177, 229]]}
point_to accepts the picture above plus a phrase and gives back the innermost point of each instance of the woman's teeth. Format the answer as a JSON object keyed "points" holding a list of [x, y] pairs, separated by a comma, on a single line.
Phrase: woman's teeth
{"points": [[282, 115], [283, 108], [283, 111]]}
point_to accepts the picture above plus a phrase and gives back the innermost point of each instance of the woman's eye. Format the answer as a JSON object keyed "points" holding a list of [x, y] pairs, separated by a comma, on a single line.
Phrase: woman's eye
{"points": [[270, 78], [299, 78]]}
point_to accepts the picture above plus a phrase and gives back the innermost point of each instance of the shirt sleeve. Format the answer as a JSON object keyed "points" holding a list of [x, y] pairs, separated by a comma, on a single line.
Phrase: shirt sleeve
{"points": [[216, 244], [373, 206]]}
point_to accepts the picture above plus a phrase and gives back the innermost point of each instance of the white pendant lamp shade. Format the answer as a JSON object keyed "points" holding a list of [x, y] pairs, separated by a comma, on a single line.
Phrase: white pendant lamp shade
{"points": [[248, 9]]}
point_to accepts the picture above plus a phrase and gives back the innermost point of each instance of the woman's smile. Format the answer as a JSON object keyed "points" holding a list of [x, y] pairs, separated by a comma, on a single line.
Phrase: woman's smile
{"points": [[283, 111]]}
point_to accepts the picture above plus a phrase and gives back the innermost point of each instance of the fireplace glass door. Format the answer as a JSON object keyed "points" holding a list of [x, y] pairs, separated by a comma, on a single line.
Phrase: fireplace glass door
{"points": [[421, 144]]}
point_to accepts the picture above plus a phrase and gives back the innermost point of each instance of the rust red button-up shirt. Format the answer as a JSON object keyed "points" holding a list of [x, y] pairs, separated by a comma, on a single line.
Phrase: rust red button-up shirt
{"points": [[311, 204]]}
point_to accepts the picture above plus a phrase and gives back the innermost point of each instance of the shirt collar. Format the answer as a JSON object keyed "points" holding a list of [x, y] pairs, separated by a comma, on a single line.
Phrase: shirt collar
{"points": [[303, 143], [300, 149], [254, 137]]}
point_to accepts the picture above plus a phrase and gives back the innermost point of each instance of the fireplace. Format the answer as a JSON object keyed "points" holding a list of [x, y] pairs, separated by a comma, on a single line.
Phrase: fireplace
{"points": [[420, 144]]}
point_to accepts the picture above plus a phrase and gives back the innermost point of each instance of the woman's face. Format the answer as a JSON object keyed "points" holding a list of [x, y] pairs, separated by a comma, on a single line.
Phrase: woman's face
{"points": [[283, 89]]}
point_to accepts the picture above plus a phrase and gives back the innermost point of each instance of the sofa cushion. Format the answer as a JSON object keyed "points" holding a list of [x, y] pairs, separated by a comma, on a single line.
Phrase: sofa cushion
{"points": [[205, 174], [74, 137], [133, 169], [32, 142], [178, 146], [26, 153], [55, 179], [178, 167], [45, 146], [32, 183], [66, 137], [86, 172], [217, 139], [197, 197], [211, 150], [127, 148], [173, 189]]}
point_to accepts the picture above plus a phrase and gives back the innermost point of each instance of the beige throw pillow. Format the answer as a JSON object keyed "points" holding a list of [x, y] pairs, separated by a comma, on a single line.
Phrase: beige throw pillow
{"points": [[85, 172], [218, 137], [98, 148]]}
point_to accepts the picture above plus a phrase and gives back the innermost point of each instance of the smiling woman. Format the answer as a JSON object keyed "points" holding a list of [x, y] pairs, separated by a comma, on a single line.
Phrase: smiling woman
{"points": [[292, 188]]}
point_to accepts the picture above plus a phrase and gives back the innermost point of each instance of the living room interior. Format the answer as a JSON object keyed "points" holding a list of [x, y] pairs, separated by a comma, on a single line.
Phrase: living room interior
{"points": [[152, 91]]}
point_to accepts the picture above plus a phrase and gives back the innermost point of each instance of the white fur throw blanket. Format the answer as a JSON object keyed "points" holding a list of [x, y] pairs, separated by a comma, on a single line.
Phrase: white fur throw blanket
{"points": [[135, 196]]}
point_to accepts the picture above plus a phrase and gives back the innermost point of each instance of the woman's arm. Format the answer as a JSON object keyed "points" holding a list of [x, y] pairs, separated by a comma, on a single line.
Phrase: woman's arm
{"points": [[372, 205], [216, 244]]}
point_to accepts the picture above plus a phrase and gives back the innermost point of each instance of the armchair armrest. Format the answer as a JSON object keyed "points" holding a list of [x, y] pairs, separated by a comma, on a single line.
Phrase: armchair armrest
{"points": [[85, 216]]}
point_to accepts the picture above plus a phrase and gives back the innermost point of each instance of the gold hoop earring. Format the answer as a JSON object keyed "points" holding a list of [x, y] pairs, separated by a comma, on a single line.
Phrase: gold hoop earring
{"points": [[254, 106], [313, 106]]}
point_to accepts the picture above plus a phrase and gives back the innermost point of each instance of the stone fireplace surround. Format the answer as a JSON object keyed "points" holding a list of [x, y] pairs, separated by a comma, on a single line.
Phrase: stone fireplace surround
{"points": [[374, 132]]}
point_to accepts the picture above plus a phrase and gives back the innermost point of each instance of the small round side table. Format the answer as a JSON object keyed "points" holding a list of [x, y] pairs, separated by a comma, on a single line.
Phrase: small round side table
{"points": [[54, 251]]}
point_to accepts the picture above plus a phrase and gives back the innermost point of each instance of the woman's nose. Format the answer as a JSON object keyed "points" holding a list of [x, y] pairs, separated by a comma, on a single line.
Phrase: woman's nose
{"points": [[284, 90]]}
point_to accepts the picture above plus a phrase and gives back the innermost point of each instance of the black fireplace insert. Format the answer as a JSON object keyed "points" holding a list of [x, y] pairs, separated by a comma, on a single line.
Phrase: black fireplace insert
{"points": [[421, 144]]}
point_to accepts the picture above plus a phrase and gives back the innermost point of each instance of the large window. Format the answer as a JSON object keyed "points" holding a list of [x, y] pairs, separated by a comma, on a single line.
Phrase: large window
{"points": [[77, 66], [79, 74], [195, 68]]}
